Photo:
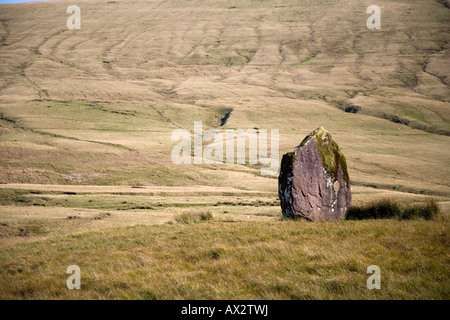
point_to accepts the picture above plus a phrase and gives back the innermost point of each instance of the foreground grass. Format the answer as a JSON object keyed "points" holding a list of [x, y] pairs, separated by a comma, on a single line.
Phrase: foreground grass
{"points": [[239, 260]]}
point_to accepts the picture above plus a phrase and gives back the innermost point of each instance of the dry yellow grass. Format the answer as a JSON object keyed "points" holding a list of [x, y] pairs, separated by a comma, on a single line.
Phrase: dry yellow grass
{"points": [[241, 260]]}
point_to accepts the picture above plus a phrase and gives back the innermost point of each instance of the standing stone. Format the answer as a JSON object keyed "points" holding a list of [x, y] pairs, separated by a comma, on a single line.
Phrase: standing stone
{"points": [[313, 181]]}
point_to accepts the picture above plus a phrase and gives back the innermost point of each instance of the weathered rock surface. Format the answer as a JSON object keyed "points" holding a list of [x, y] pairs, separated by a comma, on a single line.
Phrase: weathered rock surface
{"points": [[313, 181]]}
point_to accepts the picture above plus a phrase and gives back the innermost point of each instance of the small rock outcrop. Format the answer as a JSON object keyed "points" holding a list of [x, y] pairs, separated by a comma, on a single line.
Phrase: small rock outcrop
{"points": [[313, 181]]}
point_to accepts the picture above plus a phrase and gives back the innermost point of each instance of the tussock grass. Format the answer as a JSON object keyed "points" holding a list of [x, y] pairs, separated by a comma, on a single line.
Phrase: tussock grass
{"points": [[391, 209], [194, 216]]}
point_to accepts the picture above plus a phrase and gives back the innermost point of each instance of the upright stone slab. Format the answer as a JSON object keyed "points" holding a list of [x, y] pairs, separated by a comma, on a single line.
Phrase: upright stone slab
{"points": [[313, 181]]}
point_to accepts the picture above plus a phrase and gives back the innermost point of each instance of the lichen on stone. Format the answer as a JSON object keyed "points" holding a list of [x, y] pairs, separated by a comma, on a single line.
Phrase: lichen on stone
{"points": [[330, 154]]}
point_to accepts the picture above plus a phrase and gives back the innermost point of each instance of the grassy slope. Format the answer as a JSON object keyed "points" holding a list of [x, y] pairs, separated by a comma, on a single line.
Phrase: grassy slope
{"points": [[110, 95], [97, 107]]}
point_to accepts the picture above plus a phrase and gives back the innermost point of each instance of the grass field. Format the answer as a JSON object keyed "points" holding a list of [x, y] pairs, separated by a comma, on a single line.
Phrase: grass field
{"points": [[242, 260], [86, 118]]}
